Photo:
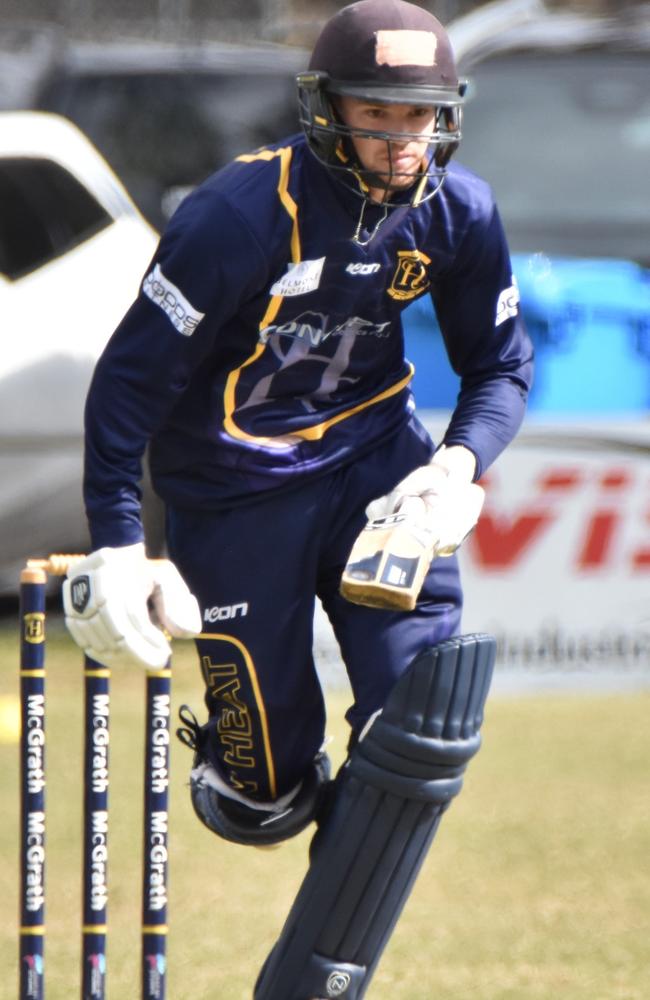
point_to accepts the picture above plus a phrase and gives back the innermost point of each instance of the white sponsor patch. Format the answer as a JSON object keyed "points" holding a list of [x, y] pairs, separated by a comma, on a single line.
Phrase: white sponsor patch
{"points": [[507, 303], [300, 278], [171, 300], [405, 47]]}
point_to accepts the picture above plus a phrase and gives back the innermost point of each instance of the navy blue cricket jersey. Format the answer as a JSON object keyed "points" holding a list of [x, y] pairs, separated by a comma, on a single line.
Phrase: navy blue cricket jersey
{"points": [[266, 345]]}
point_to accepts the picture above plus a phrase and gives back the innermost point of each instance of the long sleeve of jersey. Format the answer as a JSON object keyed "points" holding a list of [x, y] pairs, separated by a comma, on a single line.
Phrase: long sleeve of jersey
{"points": [[477, 308], [149, 362]]}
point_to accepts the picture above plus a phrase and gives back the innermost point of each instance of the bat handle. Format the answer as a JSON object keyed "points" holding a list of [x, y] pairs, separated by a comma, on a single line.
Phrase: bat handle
{"points": [[57, 564]]}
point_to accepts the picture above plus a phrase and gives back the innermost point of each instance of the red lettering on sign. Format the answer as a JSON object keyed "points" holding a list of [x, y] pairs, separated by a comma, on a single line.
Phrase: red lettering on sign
{"points": [[560, 479], [598, 540], [499, 543], [641, 557], [615, 479], [598, 499]]}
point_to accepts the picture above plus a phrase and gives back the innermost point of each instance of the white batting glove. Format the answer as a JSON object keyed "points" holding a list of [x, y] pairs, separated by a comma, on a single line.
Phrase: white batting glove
{"points": [[119, 605], [440, 497]]}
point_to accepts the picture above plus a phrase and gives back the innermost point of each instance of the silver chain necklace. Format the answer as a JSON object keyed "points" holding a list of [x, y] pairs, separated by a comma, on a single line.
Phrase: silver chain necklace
{"points": [[357, 233]]}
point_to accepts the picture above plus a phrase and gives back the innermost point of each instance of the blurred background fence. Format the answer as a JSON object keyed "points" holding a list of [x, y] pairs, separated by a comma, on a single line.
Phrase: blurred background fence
{"points": [[289, 21]]}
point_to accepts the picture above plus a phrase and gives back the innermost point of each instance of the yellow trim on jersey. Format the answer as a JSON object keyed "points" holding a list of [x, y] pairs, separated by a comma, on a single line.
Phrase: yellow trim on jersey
{"points": [[289, 203], [317, 431], [264, 154], [252, 673], [273, 307], [229, 395], [285, 154]]}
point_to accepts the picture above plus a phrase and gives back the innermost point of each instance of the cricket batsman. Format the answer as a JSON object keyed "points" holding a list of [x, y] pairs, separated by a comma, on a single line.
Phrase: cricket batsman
{"points": [[262, 367]]}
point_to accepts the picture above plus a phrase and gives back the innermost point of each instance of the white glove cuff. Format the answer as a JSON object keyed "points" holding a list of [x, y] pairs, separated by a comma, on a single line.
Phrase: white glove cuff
{"points": [[458, 461]]}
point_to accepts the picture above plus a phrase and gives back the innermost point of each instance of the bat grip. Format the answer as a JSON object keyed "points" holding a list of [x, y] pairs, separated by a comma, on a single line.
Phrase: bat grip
{"points": [[412, 507]]}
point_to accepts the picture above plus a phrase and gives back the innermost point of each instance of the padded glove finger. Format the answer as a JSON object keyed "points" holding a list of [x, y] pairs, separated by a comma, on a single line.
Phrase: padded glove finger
{"points": [[172, 606], [107, 599]]}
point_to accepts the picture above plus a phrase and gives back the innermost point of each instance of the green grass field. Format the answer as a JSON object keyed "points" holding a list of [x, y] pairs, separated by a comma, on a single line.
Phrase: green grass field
{"points": [[537, 886]]}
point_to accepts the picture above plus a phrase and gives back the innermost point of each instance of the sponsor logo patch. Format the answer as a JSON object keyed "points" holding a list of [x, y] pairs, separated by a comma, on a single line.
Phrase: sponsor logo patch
{"points": [[314, 328], [226, 612], [162, 292], [300, 278], [337, 983], [80, 593], [363, 269], [507, 303]]}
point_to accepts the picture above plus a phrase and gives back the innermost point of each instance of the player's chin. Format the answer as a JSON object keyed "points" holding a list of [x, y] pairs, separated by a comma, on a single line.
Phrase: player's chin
{"points": [[400, 174], [398, 182], [404, 180]]}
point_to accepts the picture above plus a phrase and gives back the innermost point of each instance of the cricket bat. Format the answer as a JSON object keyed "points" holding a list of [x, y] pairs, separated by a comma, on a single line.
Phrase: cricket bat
{"points": [[389, 560], [391, 557]]}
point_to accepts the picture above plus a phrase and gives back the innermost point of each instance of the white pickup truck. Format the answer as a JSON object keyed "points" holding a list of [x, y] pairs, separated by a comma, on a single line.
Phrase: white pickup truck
{"points": [[73, 248]]}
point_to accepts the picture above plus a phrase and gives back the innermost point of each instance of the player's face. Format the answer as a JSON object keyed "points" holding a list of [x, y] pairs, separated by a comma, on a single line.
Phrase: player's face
{"points": [[396, 161]]}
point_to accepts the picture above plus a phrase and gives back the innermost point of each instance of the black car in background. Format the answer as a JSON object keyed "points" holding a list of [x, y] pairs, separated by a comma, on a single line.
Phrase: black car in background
{"points": [[165, 117], [557, 119]]}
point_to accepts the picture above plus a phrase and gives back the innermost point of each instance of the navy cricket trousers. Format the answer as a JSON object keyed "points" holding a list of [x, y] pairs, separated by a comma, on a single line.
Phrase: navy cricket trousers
{"points": [[255, 570]]}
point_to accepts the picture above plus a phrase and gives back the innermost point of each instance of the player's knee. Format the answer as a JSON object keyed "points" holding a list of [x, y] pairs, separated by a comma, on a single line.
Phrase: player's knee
{"points": [[260, 827], [420, 744], [236, 817]]}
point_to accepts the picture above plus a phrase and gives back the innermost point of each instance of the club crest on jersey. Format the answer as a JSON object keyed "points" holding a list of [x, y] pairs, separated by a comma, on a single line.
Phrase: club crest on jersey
{"points": [[410, 278]]}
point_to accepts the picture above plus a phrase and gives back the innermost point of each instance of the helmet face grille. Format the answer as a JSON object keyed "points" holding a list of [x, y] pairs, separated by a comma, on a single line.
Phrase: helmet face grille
{"points": [[331, 141]]}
